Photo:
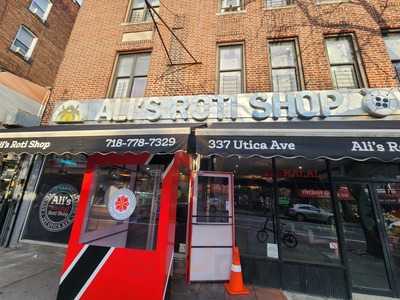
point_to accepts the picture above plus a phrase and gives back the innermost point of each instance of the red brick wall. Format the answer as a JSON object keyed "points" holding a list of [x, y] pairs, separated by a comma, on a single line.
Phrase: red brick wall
{"points": [[53, 37], [97, 38]]}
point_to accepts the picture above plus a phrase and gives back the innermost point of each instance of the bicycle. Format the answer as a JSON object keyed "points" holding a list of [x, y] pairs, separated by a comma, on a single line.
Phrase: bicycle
{"points": [[288, 237]]}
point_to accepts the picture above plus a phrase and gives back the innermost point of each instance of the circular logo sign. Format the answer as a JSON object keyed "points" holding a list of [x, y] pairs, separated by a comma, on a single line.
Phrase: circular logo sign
{"points": [[121, 204], [57, 210], [379, 104], [69, 112]]}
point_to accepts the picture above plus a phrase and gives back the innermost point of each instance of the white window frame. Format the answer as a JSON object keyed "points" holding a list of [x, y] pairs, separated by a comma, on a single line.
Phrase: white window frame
{"points": [[356, 64], [241, 70], [225, 8], [297, 67], [271, 4], [31, 47], [392, 60], [46, 13]]}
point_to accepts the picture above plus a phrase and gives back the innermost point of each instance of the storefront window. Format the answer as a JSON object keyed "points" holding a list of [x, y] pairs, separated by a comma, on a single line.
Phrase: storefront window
{"points": [[53, 209], [213, 196], [254, 204], [13, 173], [307, 223], [124, 207], [372, 169], [388, 196], [182, 213]]}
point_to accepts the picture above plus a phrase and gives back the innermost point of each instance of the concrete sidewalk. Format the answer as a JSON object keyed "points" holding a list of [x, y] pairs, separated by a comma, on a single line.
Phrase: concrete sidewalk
{"points": [[32, 272]]}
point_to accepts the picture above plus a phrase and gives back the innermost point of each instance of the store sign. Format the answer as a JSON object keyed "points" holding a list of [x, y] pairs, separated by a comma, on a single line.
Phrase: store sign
{"points": [[121, 204], [294, 173], [310, 147], [342, 194], [57, 209], [306, 105]]}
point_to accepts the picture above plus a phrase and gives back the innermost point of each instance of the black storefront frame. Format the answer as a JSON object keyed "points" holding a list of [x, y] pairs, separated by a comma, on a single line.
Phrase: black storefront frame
{"points": [[371, 183], [339, 231], [344, 266]]}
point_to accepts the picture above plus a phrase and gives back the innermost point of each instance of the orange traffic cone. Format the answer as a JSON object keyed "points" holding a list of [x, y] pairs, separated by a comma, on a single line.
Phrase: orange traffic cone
{"points": [[235, 285]]}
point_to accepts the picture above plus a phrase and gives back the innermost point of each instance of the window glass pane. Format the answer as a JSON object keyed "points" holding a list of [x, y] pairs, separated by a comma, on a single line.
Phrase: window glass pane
{"points": [[284, 80], [361, 236], [147, 16], [39, 7], [139, 87], [43, 4], [278, 3], [25, 37], [125, 65], [305, 212], [397, 69], [139, 4], [230, 83], [283, 54], [137, 15], [142, 64], [255, 226], [53, 209], [340, 50], [392, 42], [121, 88], [22, 48], [344, 77], [372, 169], [124, 207], [230, 58], [388, 195], [212, 199]]}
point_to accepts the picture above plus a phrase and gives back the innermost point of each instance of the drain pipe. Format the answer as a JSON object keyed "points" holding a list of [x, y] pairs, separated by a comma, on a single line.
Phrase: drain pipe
{"points": [[45, 104]]}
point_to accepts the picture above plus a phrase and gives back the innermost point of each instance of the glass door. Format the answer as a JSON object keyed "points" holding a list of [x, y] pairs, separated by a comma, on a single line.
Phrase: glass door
{"points": [[211, 227], [388, 201], [363, 245]]}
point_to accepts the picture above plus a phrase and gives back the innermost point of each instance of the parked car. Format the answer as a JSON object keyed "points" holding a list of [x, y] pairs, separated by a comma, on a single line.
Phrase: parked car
{"points": [[302, 212]]}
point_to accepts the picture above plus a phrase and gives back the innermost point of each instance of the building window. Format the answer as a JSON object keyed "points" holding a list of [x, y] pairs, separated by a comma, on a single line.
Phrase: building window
{"points": [[285, 68], [306, 214], [345, 69], [41, 8], [24, 42], [131, 75], [279, 3], [231, 69], [392, 41], [139, 11], [231, 5]]}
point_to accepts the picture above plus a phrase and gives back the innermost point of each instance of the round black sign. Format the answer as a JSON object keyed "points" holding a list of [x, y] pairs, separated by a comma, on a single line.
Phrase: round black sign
{"points": [[57, 210]]}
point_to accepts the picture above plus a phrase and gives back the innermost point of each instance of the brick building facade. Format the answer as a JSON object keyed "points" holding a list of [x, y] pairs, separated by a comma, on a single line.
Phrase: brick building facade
{"points": [[88, 66], [50, 25], [297, 164]]}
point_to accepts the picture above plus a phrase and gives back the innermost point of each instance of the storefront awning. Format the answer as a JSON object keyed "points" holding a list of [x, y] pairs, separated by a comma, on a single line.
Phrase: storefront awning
{"points": [[310, 140], [90, 139]]}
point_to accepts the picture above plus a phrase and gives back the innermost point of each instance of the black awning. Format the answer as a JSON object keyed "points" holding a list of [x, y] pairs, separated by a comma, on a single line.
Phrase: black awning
{"points": [[90, 139], [310, 140]]}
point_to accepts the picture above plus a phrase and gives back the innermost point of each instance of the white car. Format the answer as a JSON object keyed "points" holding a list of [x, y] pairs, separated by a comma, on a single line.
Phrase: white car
{"points": [[302, 212]]}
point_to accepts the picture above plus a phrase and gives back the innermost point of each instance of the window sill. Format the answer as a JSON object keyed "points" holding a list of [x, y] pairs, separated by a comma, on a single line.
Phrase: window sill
{"points": [[280, 7], [26, 59], [227, 13], [333, 2], [136, 23], [43, 21]]}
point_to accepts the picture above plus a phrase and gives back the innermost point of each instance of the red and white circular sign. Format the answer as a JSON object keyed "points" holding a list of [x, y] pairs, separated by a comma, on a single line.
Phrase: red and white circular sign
{"points": [[121, 204]]}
